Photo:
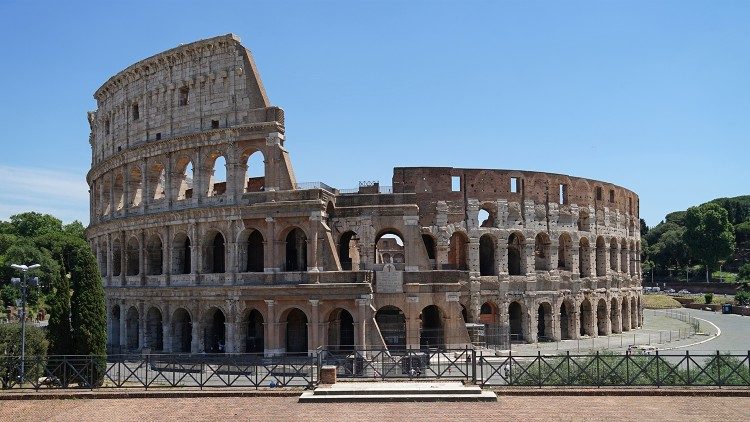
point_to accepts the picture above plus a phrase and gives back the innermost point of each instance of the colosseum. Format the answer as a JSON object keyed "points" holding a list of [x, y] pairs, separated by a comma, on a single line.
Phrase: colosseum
{"points": [[208, 243]]}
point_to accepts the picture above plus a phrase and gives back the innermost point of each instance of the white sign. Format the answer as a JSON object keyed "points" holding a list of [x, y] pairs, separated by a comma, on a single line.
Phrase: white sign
{"points": [[389, 280]]}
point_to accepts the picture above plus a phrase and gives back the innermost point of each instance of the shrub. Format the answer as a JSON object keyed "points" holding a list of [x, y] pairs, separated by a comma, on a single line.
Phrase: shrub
{"points": [[10, 350], [709, 297]]}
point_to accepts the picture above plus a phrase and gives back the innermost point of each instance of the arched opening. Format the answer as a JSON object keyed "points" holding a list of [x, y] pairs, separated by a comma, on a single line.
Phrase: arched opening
{"points": [[542, 252], [613, 255], [349, 251], [431, 334], [567, 324], [157, 178], [625, 314], [106, 204], [154, 331], [586, 314], [601, 317], [515, 249], [457, 252], [632, 258], [102, 256], [544, 322], [485, 217], [392, 324], [119, 192], [429, 244], [584, 258], [251, 251], [601, 257], [133, 257], [392, 243], [217, 182], [255, 174], [182, 331], [634, 323], [215, 254], [296, 250], [132, 329], [181, 259], [215, 331], [154, 255], [489, 315], [114, 326], [116, 258], [487, 264], [255, 337], [564, 253], [185, 182], [296, 332], [624, 264], [341, 330], [614, 316], [515, 319], [135, 186]]}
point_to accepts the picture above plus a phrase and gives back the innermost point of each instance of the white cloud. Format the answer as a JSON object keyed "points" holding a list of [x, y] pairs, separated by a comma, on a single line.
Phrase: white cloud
{"points": [[63, 194]]}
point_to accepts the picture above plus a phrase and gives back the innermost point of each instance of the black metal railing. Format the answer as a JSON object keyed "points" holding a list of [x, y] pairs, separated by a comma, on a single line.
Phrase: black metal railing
{"points": [[159, 370], [644, 368]]}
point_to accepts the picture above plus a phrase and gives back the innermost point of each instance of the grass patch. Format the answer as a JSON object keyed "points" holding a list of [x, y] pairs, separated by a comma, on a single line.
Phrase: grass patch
{"points": [[726, 276], [660, 302]]}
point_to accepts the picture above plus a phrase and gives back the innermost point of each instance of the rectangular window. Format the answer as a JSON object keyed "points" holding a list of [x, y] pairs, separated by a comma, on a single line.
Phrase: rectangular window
{"points": [[563, 194], [136, 112], [214, 124], [158, 136], [599, 193], [456, 183], [630, 206], [183, 98], [515, 185], [611, 195]]}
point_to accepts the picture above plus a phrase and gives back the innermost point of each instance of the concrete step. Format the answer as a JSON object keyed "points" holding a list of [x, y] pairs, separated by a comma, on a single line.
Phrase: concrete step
{"points": [[396, 391], [484, 396]]}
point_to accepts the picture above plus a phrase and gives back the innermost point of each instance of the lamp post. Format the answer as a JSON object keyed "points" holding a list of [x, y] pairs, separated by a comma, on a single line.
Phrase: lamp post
{"points": [[24, 284]]}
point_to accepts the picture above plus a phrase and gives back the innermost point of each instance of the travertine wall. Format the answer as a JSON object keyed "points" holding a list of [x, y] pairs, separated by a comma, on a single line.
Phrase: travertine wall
{"points": [[263, 264]]}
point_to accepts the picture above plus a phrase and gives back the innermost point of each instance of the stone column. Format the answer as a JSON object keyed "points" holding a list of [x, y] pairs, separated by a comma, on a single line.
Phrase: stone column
{"points": [[362, 318], [528, 257], [413, 322], [472, 255], [575, 251], [314, 327], [194, 249], [123, 326], [196, 345], [271, 334], [412, 239], [269, 247], [315, 218], [141, 326], [554, 254], [166, 336]]}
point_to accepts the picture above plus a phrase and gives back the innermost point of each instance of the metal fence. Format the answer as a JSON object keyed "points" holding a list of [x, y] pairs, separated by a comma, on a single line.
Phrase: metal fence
{"points": [[468, 364], [159, 370]]}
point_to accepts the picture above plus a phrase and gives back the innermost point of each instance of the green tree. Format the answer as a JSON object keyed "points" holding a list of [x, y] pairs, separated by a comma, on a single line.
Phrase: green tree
{"points": [[744, 273], [709, 235], [88, 314], [32, 224], [59, 330], [671, 249]]}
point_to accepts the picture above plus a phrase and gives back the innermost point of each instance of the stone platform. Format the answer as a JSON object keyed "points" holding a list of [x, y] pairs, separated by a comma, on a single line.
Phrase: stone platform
{"points": [[351, 392]]}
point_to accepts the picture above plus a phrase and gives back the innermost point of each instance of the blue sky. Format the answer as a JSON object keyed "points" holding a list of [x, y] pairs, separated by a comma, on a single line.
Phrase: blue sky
{"points": [[651, 95]]}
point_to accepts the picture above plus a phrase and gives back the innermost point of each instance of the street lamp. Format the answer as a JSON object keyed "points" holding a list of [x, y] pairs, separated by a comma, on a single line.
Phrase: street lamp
{"points": [[24, 284]]}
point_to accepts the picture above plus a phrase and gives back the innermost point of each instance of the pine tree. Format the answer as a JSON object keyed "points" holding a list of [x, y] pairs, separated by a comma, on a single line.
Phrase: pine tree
{"points": [[59, 330], [88, 313]]}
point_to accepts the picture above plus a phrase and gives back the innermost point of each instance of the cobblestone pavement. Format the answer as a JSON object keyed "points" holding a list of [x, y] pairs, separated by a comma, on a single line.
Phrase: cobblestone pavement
{"points": [[525, 408]]}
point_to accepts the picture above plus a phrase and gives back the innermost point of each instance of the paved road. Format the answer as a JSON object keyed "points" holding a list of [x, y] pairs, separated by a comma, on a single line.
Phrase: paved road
{"points": [[735, 332], [511, 408]]}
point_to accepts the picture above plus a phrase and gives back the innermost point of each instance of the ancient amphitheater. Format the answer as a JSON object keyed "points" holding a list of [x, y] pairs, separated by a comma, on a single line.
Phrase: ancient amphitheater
{"points": [[208, 243]]}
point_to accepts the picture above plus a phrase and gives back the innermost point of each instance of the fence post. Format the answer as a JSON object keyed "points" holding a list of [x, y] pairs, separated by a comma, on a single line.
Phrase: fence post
{"points": [[718, 368], [473, 364], [539, 366], [598, 375], [145, 381], [567, 363], [658, 379]]}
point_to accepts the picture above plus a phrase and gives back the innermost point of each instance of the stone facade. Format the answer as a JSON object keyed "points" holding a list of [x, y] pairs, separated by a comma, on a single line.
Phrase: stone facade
{"points": [[198, 256]]}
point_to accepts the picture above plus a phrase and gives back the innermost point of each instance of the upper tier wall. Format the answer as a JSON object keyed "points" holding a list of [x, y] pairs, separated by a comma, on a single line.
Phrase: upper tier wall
{"points": [[205, 85], [491, 185]]}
